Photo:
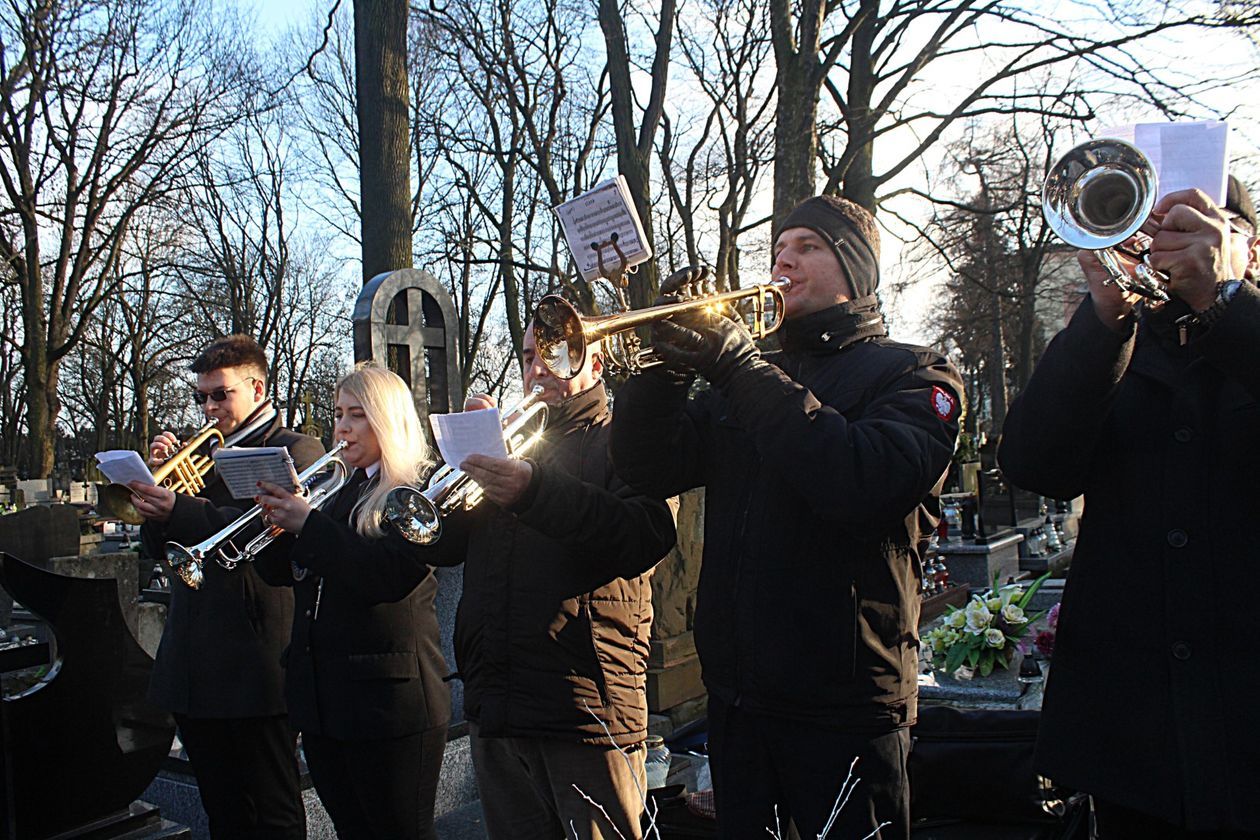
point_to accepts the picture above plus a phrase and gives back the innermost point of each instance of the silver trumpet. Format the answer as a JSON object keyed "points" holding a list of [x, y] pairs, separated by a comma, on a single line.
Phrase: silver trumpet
{"points": [[1097, 196], [189, 561], [417, 514]]}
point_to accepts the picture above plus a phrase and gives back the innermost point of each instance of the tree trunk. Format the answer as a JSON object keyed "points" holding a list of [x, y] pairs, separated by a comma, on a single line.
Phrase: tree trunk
{"points": [[380, 50], [634, 149], [796, 113], [42, 408], [859, 178]]}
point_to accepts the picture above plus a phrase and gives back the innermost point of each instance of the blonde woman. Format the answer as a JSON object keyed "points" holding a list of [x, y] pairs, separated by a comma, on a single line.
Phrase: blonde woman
{"points": [[364, 667]]}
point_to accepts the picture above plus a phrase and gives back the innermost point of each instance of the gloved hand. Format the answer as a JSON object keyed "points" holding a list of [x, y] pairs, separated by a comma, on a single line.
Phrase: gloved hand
{"points": [[687, 282], [713, 345]]}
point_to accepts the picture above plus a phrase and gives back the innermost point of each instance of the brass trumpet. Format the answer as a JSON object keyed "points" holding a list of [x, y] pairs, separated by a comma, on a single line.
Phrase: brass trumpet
{"points": [[417, 514], [1098, 195], [563, 336], [189, 561], [184, 472]]}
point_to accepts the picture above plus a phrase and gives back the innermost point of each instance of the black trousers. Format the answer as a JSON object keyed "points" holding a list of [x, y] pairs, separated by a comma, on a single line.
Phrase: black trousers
{"points": [[247, 776], [1116, 822], [380, 789], [761, 762]]}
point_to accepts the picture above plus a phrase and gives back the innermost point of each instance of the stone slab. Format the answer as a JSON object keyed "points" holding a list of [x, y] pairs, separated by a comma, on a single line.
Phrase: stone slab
{"points": [[667, 687], [665, 653], [39, 533], [978, 563]]}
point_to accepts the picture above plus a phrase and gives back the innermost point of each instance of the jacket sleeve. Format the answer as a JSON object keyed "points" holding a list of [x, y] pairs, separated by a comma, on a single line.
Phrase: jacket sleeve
{"points": [[874, 468], [629, 533], [1231, 344], [375, 571], [660, 438], [1052, 428]]}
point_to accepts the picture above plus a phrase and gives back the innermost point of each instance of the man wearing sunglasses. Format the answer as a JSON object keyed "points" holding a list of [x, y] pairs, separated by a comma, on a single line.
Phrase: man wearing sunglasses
{"points": [[218, 667]]}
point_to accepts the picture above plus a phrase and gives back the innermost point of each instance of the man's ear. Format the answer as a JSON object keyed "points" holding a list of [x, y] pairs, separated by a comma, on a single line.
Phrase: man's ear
{"points": [[1252, 271], [597, 363], [260, 389]]}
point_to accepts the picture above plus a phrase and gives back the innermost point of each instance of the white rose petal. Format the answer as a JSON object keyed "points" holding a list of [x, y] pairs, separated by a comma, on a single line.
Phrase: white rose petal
{"points": [[1013, 614], [995, 638]]}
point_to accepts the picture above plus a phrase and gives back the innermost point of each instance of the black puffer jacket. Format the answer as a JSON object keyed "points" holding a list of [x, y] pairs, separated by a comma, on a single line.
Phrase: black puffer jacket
{"points": [[821, 464], [1154, 661], [551, 637], [220, 650]]}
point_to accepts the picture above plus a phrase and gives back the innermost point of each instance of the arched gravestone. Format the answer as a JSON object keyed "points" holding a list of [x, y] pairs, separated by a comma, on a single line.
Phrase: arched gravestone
{"points": [[405, 320]]}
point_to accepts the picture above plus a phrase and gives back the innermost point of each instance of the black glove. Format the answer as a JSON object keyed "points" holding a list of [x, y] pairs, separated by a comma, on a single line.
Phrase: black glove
{"points": [[690, 281], [715, 346]]}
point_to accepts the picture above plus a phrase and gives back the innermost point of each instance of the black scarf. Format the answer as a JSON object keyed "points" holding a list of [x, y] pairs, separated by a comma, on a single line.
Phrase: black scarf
{"points": [[834, 328]]}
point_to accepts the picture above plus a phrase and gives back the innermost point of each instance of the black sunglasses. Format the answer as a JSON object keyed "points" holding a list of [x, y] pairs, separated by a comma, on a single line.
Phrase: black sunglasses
{"points": [[218, 394]]}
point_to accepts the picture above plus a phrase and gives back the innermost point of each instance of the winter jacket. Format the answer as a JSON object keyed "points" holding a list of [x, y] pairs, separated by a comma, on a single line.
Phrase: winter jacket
{"points": [[220, 651], [365, 660], [551, 634], [821, 464], [1153, 658]]}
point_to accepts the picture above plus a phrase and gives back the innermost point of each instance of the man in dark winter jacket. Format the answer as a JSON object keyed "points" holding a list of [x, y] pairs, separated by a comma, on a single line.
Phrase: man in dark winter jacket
{"points": [[218, 665], [551, 636], [822, 465], [1152, 415]]}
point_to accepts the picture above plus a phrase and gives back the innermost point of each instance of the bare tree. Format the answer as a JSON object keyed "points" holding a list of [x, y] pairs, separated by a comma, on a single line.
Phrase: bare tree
{"points": [[381, 79], [103, 106], [867, 59], [636, 137]]}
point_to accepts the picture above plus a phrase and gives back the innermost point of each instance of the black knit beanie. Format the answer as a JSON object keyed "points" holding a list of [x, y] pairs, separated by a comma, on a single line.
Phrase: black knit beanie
{"points": [[1238, 201], [856, 256]]}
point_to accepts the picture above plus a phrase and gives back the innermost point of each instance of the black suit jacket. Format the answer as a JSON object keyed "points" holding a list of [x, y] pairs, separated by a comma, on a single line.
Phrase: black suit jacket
{"points": [[365, 660], [220, 650]]}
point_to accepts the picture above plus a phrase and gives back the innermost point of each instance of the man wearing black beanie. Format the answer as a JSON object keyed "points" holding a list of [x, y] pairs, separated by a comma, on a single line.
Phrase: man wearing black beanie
{"points": [[823, 463]]}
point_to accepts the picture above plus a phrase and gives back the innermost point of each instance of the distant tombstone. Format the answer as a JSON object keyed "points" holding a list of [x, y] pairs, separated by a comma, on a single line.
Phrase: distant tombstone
{"points": [[405, 320]]}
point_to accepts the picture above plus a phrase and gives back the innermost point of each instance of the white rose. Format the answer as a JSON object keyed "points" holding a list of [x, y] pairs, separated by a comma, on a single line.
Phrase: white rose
{"points": [[994, 604], [957, 619], [978, 616], [1013, 614], [994, 638]]}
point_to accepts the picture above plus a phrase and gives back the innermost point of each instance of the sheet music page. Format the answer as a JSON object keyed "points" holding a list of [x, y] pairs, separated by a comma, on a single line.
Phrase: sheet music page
{"points": [[594, 216], [123, 465], [1186, 155], [467, 433], [242, 467]]}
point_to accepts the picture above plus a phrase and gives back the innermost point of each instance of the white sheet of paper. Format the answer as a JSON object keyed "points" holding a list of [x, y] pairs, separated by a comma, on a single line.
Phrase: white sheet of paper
{"points": [[123, 465], [242, 467], [1186, 155], [468, 433]]}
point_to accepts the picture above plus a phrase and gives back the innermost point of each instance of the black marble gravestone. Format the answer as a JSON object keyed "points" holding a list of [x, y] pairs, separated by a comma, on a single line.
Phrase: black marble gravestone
{"points": [[81, 743]]}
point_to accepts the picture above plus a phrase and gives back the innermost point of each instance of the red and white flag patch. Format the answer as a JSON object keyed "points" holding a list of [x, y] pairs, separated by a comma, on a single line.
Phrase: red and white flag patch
{"points": [[944, 403]]}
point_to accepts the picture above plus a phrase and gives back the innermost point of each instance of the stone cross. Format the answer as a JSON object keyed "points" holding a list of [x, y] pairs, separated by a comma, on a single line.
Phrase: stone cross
{"points": [[309, 426], [405, 320]]}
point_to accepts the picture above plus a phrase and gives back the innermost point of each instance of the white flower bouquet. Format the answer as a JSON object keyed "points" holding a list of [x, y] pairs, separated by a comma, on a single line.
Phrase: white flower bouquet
{"points": [[984, 634]]}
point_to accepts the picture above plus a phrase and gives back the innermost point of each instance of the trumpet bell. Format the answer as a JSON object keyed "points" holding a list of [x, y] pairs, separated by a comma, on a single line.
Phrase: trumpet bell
{"points": [[414, 515], [184, 564], [1099, 194], [559, 338]]}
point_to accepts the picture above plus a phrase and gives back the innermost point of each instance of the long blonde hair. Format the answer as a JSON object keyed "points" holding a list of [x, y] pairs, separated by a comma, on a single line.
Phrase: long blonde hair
{"points": [[405, 454]]}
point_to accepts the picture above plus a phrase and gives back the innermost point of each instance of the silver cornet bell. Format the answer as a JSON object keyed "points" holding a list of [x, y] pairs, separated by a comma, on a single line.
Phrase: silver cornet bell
{"points": [[1098, 195]]}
